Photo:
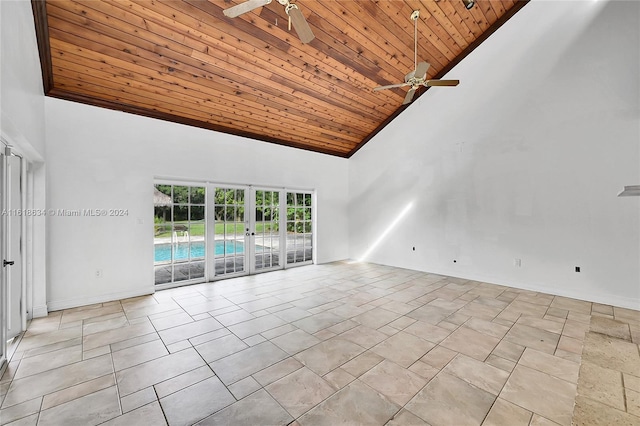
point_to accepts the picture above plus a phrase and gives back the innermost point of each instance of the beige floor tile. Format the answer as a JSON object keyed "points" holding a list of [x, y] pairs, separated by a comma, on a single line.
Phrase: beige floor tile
{"points": [[221, 347], [259, 408], [508, 350], [424, 370], [601, 384], [150, 414], [295, 341], [54, 380], [593, 413], [77, 391], [631, 381], [633, 402], [108, 322], [480, 311], [538, 420], [430, 314], [91, 409], [109, 337], [138, 399], [470, 342], [189, 405], [574, 305], [278, 331], [48, 361], [402, 323], [241, 364], [403, 348], [327, 355], [552, 365], [363, 336], [357, 403], [158, 370], [428, 332], [540, 393], [362, 363], [438, 357], [505, 413], [21, 410], [546, 325], [182, 381], [277, 371], [406, 418], [150, 309], [501, 363], [234, 317], [609, 327], [448, 400], [395, 382], [532, 337], [244, 387], [376, 318], [477, 373], [187, 331], [317, 322], [45, 339], [170, 321], [300, 391], [292, 314], [487, 327], [138, 354], [611, 353], [68, 316], [338, 378]]}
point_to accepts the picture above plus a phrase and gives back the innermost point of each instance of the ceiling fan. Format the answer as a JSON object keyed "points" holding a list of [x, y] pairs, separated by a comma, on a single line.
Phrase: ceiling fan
{"points": [[417, 77], [291, 9]]}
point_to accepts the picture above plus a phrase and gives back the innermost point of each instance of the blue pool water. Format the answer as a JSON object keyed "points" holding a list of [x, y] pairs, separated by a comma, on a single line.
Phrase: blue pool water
{"points": [[182, 251]]}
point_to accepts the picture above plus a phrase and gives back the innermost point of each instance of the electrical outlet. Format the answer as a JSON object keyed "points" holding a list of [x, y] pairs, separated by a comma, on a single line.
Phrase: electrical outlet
{"points": [[98, 273], [517, 262]]}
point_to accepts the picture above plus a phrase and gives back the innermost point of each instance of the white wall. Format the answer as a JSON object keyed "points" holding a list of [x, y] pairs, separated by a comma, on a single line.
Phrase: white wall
{"points": [[98, 158], [22, 102], [22, 126], [523, 159]]}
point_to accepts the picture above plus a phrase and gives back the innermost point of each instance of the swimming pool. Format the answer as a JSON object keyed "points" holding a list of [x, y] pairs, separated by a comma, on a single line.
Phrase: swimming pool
{"points": [[162, 252]]}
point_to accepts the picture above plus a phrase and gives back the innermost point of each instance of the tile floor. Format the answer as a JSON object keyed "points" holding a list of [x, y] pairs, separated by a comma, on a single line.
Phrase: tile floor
{"points": [[355, 344]]}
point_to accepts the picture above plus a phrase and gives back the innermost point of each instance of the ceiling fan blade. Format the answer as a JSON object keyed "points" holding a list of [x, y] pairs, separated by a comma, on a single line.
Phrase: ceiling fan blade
{"points": [[391, 86], [429, 83], [245, 7], [300, 24], [421, 69], [409, 96]]}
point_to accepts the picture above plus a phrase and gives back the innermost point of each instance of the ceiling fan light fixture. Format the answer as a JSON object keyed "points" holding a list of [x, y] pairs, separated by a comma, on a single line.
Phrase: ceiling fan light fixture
{"points": [[468, 4]]}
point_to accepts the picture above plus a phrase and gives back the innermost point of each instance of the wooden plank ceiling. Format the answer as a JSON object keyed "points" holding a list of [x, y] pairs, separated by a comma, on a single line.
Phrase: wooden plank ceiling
{"points": [[185, 61]]}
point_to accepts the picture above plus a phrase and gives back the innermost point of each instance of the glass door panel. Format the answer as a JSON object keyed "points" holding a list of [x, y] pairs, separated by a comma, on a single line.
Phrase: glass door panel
{"points": [[299, 228], [266, 242], [230, 231], [179, 233]]}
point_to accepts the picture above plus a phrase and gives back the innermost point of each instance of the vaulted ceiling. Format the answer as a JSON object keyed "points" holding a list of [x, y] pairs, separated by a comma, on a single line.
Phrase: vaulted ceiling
{"points": [[186, 62]]}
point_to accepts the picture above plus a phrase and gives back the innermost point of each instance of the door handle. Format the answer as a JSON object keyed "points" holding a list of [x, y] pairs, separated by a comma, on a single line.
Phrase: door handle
{"points": [[7, 262]]}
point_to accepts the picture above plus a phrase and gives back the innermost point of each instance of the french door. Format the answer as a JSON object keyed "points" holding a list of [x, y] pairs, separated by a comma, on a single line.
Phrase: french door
{"points": [[11, 294], [241, 230], [246, 230]]}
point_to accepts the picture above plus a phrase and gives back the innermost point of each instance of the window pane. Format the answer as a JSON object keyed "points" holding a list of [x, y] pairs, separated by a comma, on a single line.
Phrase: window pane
{"points": [[181, 194]]}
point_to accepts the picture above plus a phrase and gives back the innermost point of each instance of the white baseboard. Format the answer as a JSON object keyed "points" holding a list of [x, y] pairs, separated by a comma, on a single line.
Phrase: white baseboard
{"points": [[39, 311], [605, 299], [57, 305]]}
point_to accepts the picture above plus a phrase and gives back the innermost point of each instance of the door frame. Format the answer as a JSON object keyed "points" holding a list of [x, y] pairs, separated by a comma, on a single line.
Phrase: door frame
{"points": [[5, 243]]}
